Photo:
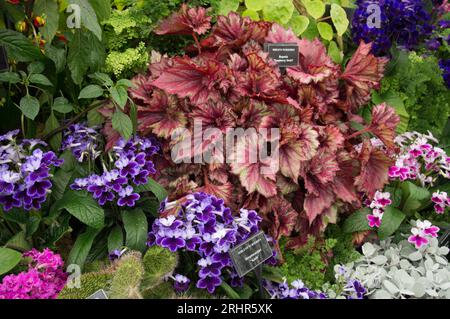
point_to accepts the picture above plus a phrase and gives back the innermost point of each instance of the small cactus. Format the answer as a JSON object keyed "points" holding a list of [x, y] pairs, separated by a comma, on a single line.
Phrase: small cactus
{"points": [[159, 263]]}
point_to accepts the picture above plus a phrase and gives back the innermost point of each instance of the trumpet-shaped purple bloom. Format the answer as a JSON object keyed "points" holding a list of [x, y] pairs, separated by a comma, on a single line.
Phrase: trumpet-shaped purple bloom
{"points": [[181, 283], [25, 172], [132, 166], [205, 225]]}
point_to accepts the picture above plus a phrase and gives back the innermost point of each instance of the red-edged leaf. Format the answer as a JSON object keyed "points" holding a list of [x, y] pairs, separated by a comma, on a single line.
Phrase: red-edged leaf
{"points": [[374, 169], [383, 123], [363, 73], [186, 21]]}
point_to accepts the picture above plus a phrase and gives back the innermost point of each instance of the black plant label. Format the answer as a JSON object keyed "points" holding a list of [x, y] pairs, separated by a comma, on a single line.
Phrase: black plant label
{"points": [[285, 54], [250, 254], [3, 59]]}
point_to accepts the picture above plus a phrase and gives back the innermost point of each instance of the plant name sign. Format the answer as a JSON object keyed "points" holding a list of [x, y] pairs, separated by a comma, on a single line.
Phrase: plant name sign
{"points": [[285, 54], [250, 254]]}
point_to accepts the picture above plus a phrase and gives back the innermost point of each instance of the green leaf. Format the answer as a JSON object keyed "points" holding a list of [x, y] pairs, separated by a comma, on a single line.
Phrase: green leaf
{"points": [[19, 242], [357, 221], [255, 5], [51, 124], [119, 95], [154, 187], [29, 105], [85, 52], [315, 8], [392, 219], [102, 9], [334, 52], [122, 124], [94, 118], [279, 11], [225, 6], [57, 55], [90, 92], [49, 9], [62, 105], [299, 24], [102, 78], [36, 67], [10, 77], [339, 18], [82, 206], [8, 259], [136, 228], [19, 46], [115, 239], [311, 31], [125, 83], [231, 293], [40, 79], [251, 14], [325, 31], [82, 246], [413, 197], [32, 225], [88, 17]]}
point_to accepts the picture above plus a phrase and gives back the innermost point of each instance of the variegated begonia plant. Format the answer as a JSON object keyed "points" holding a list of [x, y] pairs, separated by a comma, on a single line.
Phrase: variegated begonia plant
{"points": [[227, 81]]}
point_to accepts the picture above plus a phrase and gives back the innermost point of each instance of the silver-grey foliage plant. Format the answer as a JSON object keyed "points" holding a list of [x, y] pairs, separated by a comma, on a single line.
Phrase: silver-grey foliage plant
{"points": [[399, 271]]}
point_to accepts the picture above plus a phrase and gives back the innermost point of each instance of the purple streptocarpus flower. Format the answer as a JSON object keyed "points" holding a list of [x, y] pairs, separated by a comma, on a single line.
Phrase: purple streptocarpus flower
{"points": [[181, 283], [172, 243], [209, 283], [127, 197]]}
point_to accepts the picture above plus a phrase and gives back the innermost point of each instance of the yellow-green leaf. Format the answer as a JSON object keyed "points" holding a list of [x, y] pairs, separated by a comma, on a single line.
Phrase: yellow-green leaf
{"points": [[339, 18], [298, 24], [325, 31], [315, 8]]}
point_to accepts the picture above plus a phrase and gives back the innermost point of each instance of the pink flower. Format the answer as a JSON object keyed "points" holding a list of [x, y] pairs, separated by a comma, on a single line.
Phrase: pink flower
{"points": [[374, 221], [417, 239], [381, 200], [441, 200]]}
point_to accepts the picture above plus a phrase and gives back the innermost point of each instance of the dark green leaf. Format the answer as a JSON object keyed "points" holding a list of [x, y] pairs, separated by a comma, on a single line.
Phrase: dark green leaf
{"points": [[19, 242], [90, 92], [413, 197], [119, 95], [115, 239], [48, 8], [56, 139], [40, 79], [136, 229], [103, 78], [32, 225], [94, 118], [88, 17], [357, 221], [36, 67], [83, 207], [231, 293], [122, 124], [19, 46], [102, 9], [392, 218], [85, 52], [57, 55], [62, 105], [29, 105], [10, 77], [8, 259], [154, 187], [82, 246]]}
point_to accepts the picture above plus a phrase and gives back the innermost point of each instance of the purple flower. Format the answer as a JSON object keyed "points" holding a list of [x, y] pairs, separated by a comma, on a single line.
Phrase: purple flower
{"points": [[181, 283], [209, 283], [127, 197], [172, 243], [203, 224]]}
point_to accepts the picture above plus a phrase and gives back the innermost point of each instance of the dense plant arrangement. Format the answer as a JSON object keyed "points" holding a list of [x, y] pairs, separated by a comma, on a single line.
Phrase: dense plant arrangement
{"points": [[146, 140]]}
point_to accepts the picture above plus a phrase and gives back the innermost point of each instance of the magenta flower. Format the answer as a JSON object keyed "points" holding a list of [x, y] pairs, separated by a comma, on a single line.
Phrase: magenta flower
{"points": [[417, 238], [374, 221]]}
